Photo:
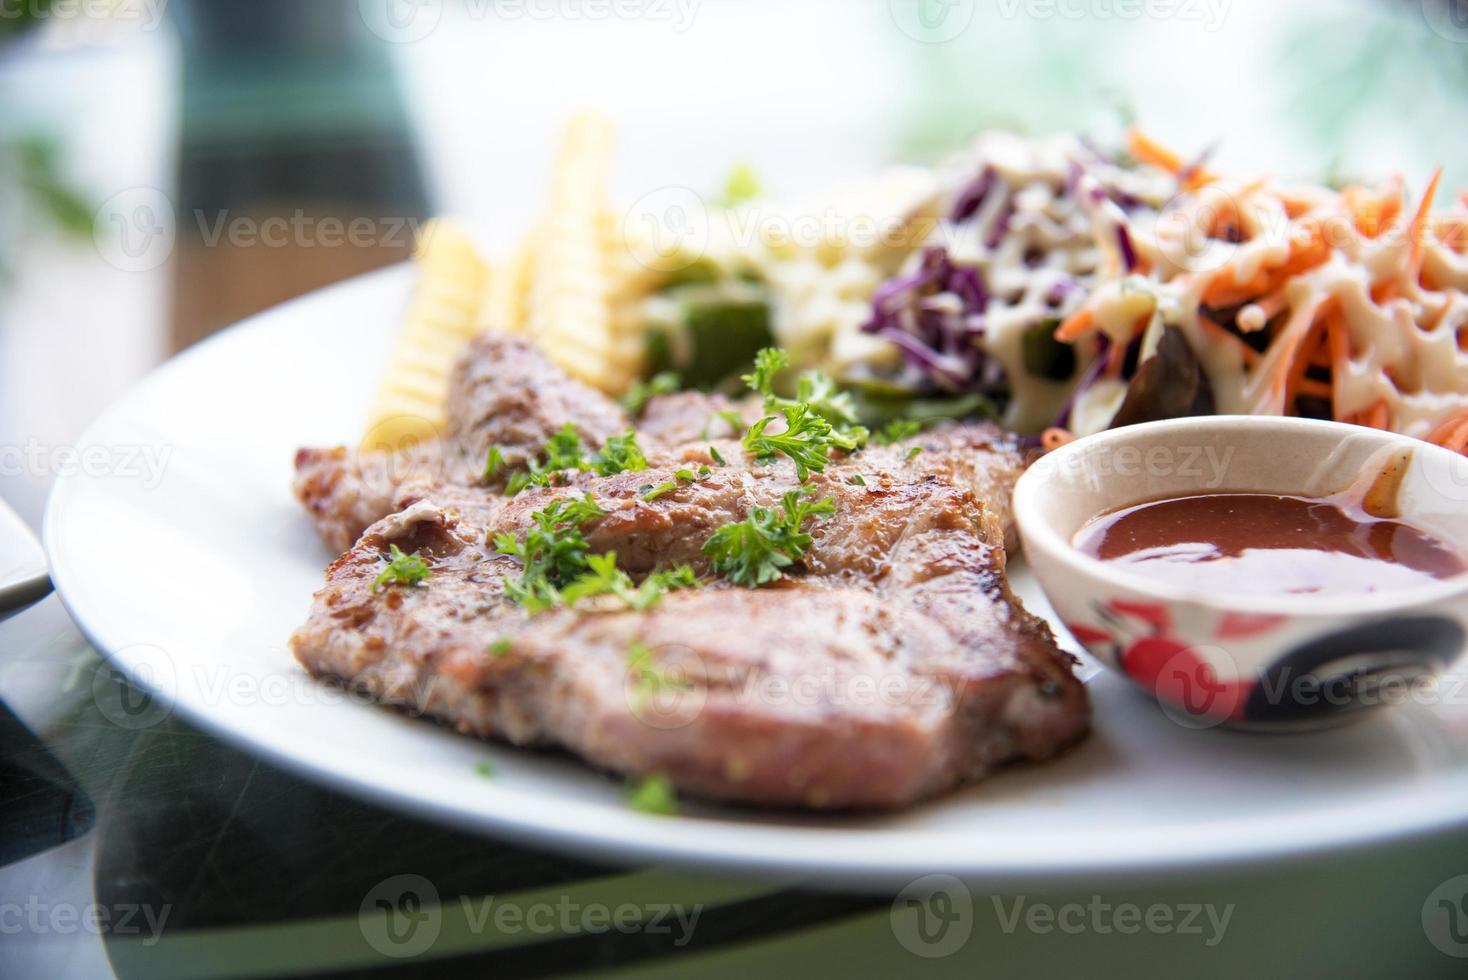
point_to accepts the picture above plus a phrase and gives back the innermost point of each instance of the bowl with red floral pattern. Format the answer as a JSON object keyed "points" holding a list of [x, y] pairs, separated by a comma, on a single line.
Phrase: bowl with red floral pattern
{"points": [[1256, 572]]}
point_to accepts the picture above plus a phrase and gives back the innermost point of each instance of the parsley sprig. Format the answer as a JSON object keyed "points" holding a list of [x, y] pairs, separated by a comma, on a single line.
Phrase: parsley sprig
{"points": [[603, 577], [662, 383], [564, 453], [553, 553], [621, 454], [754, 551], [559, 568], [814, 388], [649, 680], [819, 419], [402, 569], [807, 439], [654, 795], [897, 431]]}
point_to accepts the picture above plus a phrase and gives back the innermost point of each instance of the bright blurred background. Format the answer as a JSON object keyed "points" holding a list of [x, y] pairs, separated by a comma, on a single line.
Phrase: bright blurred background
{"points": [[168, 167]]}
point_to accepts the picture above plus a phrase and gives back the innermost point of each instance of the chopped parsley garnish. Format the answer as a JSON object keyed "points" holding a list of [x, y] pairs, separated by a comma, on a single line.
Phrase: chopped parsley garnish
{"points": [[493, 464], [808, 439], [767, 363], [717, 456], [742, 185], [621, 454], [564, 452], [685, 475], [820, 418], [897, 431], [654, 493], [753, 551], [820, 393], [814, 389], [913, 452], [647, 679], [500, 647], [484, 769], [653, 794], [857, 480], [662, 383], [603, 577], [561, 453], [402, 569], [553, 553], [703, 470]]}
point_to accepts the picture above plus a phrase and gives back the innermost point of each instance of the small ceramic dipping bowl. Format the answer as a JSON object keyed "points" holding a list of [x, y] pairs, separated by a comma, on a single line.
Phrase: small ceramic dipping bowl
{"points": [[1268, 661]]}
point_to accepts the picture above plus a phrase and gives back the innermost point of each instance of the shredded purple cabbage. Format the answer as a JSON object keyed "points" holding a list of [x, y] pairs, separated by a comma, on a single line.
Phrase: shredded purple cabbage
{"points": [[972, 196], [1128, 251], [936, 335], [936, 313]]}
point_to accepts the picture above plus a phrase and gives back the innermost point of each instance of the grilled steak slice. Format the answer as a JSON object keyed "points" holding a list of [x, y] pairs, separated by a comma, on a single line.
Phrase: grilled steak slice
{"points": [[691, 416], [504, 393], [894, 665]]}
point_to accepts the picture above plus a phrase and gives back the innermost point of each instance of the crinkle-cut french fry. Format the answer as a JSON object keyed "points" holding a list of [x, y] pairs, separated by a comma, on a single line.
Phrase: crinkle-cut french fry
{"points": [[504, 301], [571, 280], [444, 313]]}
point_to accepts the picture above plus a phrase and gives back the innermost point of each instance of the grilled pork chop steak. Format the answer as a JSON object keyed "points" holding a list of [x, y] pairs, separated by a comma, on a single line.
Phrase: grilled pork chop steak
{"points": [[893, 664], [506, 393]]}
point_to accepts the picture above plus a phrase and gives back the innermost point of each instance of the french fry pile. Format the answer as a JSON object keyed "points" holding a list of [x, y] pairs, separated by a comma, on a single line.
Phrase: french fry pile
{"points": [[560, 286]]}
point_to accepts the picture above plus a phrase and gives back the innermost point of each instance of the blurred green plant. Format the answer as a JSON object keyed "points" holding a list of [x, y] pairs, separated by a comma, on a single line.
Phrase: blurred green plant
{"points": [[34, 194], [21, 15], [33, 163], [1348, 80]]}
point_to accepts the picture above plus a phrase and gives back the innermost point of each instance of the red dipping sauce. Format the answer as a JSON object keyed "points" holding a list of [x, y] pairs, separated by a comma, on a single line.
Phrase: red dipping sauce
{"points": [[1267, 544]]}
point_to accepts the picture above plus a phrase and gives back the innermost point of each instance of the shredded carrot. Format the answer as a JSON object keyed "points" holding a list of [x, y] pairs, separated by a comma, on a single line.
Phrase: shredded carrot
{"points": [[1376, 417], [1452, 434], [1055, 437], [1305, 254], [1302, 356], [1115, 360], [1418, 228], [1452, 232], [1373, 210], [1148, 150], [1295, 207], [1220, 332], [1285, 372], [1339, 341], [1076, 326], [1386, 291], [1272, 305]]}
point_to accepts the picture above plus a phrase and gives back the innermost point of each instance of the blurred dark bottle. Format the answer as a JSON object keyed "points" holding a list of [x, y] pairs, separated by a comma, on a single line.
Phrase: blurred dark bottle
{"points": [[297, 163]]}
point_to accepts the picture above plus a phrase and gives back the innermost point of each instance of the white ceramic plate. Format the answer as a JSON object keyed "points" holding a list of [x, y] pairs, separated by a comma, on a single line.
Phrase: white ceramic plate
{"points": [[193, 579], [22, 565]]}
